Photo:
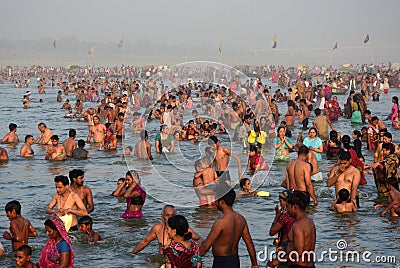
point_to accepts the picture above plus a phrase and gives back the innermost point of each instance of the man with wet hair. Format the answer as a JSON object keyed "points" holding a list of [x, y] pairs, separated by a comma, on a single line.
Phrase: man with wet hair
{"points": [[226, 233]]}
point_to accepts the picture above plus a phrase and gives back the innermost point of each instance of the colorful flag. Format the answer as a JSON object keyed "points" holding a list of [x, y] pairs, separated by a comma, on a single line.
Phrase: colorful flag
{"points": [[54, 44], [335, 46], [91, 50], [275, 42], [121, 43], [220, 48], [366, 39]]}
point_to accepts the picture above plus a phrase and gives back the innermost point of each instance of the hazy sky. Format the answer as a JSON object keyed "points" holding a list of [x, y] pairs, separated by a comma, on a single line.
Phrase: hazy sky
{"points": [[172, 29]]}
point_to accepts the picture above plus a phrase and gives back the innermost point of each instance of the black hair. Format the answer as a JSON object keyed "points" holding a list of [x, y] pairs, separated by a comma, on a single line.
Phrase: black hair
{"points": [[13, 205], [357, 133], [344, 155], [81, 143], [226, 193], [299, 199], [12, 126], [344, 194], [27, 250], [143, 134], [393, 182], [75, 173], [72, 133], [27, 137], [243, 182], [51, 224], [388, 146], [387, 135], [181, 225], [212, 140], [61, 178], [253, 148], [346, 141], [86, 220], [303, 150], [55, 137]]}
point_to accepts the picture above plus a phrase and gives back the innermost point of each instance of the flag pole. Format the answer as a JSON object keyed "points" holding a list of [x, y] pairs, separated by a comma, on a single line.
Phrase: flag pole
{"points": [[328, 62]]}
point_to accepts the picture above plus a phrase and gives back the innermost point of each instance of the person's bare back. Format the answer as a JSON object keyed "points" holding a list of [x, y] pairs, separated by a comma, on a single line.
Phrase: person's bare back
{"points": [[69, 145]]}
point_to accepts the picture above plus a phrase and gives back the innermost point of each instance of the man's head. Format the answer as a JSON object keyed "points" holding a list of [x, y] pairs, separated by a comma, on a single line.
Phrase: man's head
{"points": [[213, 141], [167, 212], [344, 159], [13, 206], [387, 137], [77, 176], [303, 150], [72, 133], [225, 196], [297, 202], [12, 126], [392, 182], [29, 139], [81, 143], [85, 224], [23, 256], [54, 139], [61, 183]]}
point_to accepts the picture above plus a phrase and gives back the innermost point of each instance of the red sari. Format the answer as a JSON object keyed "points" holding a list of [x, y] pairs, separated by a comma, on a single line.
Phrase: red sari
{"points": [[50, 257]]}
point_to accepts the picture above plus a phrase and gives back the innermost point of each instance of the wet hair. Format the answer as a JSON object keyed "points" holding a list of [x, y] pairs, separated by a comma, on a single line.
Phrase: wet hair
{"points": [[12, 126], [367, 112], [393, 182], [129, 147], [226, 193], [253, 148], [374, 118], [387, 135], [75, 173], [85, 220], [357, 133], [50, 224], [167, 206], [42, 124], [27, 137], [27, 250], [388, 146], [343, 194], [181, 225], [81, 143], [61, 178], [346, 141], [55, 137], [162, 127], [13, 205], [303, 150], [317, 111], [72, 133], [121, 114], [212, 140], [344, 155], [299, 199], [243, 182]]}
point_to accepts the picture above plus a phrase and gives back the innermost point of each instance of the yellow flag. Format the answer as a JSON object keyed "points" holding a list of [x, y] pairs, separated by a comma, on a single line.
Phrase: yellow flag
{"points": [[220, 48], [275, 43]]}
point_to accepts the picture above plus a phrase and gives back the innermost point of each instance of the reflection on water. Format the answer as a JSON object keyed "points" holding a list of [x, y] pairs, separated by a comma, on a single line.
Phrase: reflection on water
{"points": [[31, 182]]}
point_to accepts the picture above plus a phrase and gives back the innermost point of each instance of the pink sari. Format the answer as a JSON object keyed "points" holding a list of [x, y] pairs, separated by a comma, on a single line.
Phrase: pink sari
{"points": [[50, 257]]}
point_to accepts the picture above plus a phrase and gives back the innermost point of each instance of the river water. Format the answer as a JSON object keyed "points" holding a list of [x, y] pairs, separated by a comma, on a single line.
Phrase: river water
{"points": [[168, 180]]}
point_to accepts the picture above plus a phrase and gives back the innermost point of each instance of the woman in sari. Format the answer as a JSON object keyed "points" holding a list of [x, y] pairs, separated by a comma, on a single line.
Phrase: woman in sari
{"points": [[58, 252], [333, 110], [134, 194], [282, 145]]}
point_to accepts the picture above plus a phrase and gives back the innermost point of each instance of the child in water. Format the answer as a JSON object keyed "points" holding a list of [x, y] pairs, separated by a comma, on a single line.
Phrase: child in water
{"points": [[20, 228], [343, 203], [88, 235], [23, 257]]}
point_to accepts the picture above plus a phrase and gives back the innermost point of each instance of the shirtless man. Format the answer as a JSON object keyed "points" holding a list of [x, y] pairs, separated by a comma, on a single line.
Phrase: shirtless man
{"points": [[345, 176], [159, 232], [298, 175], [78, 106], [77, 179], [143, 147], [45, 134], [56, 152], [394, 198], [119, 126], [368, 116], [98, 131], [12, 135], [222, 158], [26, 149], [69, 204], [302, 236], [3, 155], [70, 143], [226, 232]]}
